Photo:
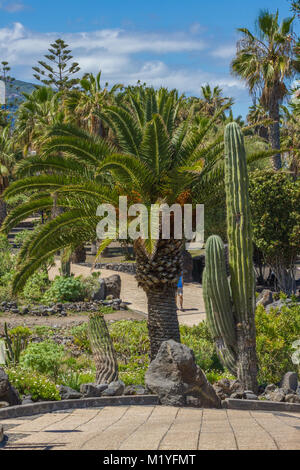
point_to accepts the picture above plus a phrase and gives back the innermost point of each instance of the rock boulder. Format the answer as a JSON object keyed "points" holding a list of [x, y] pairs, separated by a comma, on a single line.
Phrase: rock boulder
{"points": [[7, 392], [177, 380]]}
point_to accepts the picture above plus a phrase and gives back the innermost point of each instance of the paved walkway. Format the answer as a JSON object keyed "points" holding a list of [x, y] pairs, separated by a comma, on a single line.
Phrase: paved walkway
{"points": [[194, 310], [154, 428]]}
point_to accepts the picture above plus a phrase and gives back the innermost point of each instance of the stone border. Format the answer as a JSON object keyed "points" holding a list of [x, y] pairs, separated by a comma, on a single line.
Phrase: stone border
{"points": [[259, 405], [50, 406]]}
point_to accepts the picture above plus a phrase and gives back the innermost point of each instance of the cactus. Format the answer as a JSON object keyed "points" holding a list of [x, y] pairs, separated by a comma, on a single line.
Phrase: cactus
{"points": [[103, 349], [230, 303], [14, 345]]}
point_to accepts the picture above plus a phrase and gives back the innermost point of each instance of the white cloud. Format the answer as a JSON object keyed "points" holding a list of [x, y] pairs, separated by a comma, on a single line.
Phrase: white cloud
{"points": [[225, 52], [123, 56], [12, 7]]}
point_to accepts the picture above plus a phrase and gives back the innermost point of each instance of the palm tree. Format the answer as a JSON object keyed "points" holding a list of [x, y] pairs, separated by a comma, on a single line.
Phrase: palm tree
{"points": [[37, 113], [82, 105], [265, 63], [153, 162], [150, 165], [8, 154], [213, 99]]}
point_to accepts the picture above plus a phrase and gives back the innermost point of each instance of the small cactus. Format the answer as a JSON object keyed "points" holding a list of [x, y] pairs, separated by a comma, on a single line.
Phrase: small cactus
{"points": [[103, 349]]}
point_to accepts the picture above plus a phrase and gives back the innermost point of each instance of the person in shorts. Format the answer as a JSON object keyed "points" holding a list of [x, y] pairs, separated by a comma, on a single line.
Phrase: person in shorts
{"points": [[180, 291]]}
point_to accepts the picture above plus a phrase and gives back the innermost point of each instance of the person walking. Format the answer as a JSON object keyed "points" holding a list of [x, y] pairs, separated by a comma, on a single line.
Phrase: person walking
{"points": [[180, 291]]}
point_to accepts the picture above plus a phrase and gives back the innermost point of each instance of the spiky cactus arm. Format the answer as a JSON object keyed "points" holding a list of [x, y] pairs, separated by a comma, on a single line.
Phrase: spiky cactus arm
{"points": [[218, 304], [240, 253], [238, 222], [103, 349]]}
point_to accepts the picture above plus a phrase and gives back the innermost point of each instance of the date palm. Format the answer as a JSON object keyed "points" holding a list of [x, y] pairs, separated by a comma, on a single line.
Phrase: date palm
{"points": [[8, 157], [266, 62], [82, 105], [38, 112]]}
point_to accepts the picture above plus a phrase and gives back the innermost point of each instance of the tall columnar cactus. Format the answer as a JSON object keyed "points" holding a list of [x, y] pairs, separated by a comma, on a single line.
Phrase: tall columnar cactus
{"points": [[103, 349], [230, 303]]}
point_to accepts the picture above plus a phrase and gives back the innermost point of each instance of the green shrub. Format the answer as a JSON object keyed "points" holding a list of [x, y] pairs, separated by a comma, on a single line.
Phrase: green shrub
{"points": [[80, 333], [133, 375], [62, 289], [36, 286], [200, 341], [43, 331], [74, 379], [91, 284], [32, 383], [274, 203], [6, 257], [130, 339], [215, 375], [276, 331], [44, 357]]}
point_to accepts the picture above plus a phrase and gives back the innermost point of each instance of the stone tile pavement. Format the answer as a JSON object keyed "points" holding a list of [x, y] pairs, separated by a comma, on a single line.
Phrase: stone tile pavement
{"points": [[194, 310], [154, 428]]}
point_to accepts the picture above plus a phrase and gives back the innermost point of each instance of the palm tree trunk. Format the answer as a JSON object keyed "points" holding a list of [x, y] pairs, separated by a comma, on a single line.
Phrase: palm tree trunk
{"points": [[3, 211], [274, 134], [162, 318], [158, 276]]}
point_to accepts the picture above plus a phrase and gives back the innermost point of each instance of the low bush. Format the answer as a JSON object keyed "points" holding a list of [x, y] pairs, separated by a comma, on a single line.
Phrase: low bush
{"points": [[80, 334], [74, 379], [44, 357], [32, 383], [36, 286], [276, 331], [64, 289]]}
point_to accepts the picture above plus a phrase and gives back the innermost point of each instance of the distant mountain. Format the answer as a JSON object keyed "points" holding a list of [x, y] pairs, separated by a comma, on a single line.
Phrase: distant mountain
{"points": [[14, 92]]}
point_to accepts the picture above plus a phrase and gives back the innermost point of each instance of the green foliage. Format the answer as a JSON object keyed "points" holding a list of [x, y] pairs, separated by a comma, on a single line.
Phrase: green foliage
{"points": [[57, 71], [63, 289], [215, 375], [29, 382], [21, 237], [36, 286], [199, 339], [275, 202], [91, 284], [130, 339], [43, 331], [6, 258], [44, 357], [80, 333], [276, 331], [74, 379], [16, 341]]}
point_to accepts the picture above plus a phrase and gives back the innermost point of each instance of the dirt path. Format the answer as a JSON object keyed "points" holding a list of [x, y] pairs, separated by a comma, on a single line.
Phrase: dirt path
{"points": [[30, 321], [194, 311]]}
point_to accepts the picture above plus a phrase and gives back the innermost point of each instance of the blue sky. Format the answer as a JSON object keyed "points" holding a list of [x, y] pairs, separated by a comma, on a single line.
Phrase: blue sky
{"points": [[182, 44]]}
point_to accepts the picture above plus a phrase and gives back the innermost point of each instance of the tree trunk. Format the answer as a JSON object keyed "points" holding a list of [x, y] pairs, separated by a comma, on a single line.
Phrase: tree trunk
{"points": [[3, 211], [158, 276], [79, 255], [274, 134], [162, 317], [247, 360]]}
